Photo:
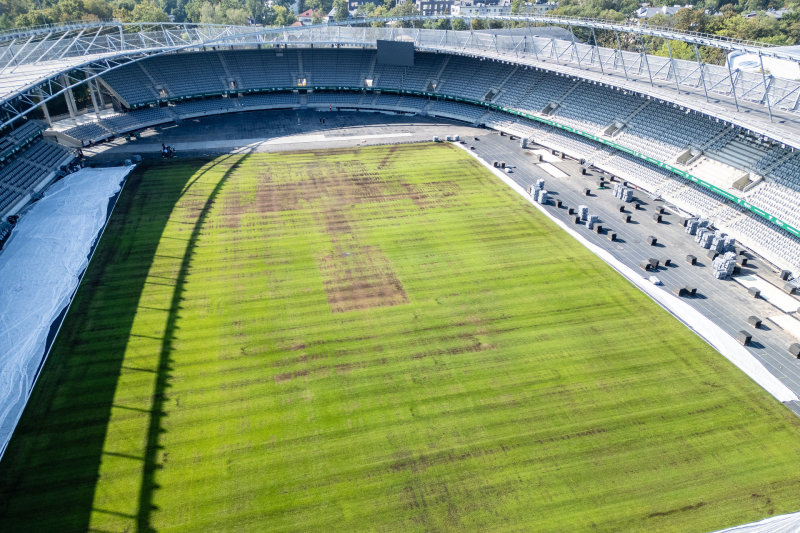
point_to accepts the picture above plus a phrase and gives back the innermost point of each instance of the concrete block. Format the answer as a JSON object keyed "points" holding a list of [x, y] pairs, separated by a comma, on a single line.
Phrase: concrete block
{"points": [[785, 275], [621, 208], [666, 261], [754, 321], [612, 236], [578, 220], [598, 229], [626, 218], [744, 338], [571, 211], [587, 192], [645, 265], [558, 204], [789, 288], [651, 240], [692, 260], [754, 292], [653, 263], [657, 218], [794, 349]]}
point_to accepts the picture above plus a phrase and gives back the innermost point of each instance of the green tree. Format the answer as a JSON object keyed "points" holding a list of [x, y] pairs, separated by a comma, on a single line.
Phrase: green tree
{"points": [[365, 10], [148, 11], [459, 25], [282, 16], [340, 11]]}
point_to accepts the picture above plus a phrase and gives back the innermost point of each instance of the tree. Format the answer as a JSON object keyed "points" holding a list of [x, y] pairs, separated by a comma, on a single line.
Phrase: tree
{"points": [[148, 11], [379, 12], [340, 11], [405, 9], [365, 10], [459, 25], [282, 16]]}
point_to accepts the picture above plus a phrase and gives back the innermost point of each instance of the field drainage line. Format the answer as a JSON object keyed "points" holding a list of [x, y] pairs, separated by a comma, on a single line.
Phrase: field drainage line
{"points": [[692, 318]]}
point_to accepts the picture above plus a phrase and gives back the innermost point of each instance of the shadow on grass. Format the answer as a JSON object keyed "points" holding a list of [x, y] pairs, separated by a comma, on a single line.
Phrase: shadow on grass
{"points": [[49, 473], [155, 429]]}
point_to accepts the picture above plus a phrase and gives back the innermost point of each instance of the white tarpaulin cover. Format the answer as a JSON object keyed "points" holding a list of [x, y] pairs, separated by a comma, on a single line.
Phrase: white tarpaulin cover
{"points": [[40, 268], [785, 523]]}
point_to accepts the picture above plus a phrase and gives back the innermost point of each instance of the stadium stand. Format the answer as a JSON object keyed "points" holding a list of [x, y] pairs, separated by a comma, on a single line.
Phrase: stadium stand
{"points": [[131, 84], [334, 99], [137, 119], [580, 110], [272, 100], [457, 110], [18, 138], [655, 129], [549, 89], [662, 131], [256, 70], [460, 77], [88, 133], [740, 152], [20, 175], [209, 106], [200, 74]]}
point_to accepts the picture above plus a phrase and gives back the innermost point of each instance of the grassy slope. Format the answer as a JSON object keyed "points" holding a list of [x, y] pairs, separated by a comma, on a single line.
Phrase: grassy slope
{"points": [[523, 384]]}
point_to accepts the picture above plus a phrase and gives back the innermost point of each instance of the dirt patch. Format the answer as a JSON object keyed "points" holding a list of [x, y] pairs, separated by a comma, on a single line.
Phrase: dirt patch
{"points": [[674, 511], [432, 194], [359, 278]]}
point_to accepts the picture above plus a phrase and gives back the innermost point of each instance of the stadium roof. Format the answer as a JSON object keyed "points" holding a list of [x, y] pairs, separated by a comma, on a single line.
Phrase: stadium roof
{"points": [[41, 63]]}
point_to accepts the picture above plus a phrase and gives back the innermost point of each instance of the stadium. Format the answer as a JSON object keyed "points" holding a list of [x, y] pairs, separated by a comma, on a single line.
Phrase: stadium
{"points": [[352, 277]]}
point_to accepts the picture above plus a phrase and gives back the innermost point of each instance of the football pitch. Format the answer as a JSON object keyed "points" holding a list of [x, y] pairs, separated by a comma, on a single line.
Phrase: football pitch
{"points": [[382, 338]]}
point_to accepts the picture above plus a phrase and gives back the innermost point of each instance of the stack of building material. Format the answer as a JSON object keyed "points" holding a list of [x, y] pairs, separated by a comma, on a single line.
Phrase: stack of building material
{"points": [[723, 265], [540, 195], [623, 193], [591, 220], [583, 212], [704, 238]]}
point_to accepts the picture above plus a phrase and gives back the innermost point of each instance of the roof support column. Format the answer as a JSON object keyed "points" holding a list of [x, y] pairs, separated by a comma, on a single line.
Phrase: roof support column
{"points": [[646, 62], [43, 106], [70, 98], [703, 76], [766, 87], [99, 92], [619, 52], [90, 85], [674, 69], [595, 48]]}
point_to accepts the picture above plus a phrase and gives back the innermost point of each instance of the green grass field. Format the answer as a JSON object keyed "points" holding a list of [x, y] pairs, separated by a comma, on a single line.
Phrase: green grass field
{"points": [[383, 338]]}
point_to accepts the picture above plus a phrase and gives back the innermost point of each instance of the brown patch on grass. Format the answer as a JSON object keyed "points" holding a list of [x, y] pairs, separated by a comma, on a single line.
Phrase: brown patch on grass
{"points": [[679, 510], [359, 278], [432, 194], [476, 346]]}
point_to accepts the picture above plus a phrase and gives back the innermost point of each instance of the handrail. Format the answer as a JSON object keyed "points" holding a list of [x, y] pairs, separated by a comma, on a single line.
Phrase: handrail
{"points": [[706, 39]]}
